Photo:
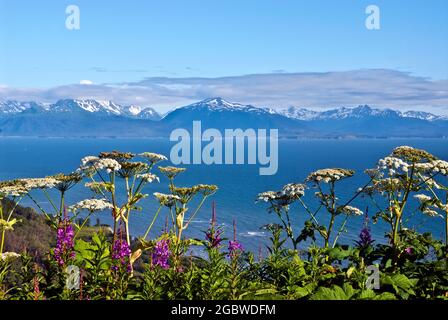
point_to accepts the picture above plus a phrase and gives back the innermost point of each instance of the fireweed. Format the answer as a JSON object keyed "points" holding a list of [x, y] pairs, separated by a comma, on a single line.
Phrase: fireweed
{"points": [[213, 235], [161, 253], [120, 255], [64, 251]]}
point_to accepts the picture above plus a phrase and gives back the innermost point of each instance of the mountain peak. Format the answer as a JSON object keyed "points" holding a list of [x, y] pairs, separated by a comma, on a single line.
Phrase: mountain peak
{"points": [[218, 102]]}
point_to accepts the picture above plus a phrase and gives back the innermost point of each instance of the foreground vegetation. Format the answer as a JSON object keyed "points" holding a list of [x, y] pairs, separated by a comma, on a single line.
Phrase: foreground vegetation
{"points": [[58, 255]]}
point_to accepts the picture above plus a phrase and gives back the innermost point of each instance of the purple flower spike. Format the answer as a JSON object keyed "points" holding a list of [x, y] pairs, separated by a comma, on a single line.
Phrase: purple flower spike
{"points": [[120, 255], [235, 246], [161, 254], [64, 243]]}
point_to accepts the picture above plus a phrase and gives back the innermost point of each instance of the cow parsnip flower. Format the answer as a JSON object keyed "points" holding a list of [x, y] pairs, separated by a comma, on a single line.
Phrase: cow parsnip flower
{"points": [[90, 165], [283, 198], [40, 183], [167, 200], [351, 211], [440, 166], [129, 169], [14, 188], [107, 164], [431, 213], [8, 256], [329, 175], [206, 189], [412, 155], [294, 190], [92, 205], [67, 181], [88, 160], [148, 177], [100, 187], [117, 155], [385, 185], [422, 198], [392, 165], [185, 193], [171, 172], [153, 157]]}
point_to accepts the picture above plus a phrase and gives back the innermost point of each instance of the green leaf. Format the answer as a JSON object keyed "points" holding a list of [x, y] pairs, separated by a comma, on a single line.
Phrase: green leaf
{"points": [[334, 293]]}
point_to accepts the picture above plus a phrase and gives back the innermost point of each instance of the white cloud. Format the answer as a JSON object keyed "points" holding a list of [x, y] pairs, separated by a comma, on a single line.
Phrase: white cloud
{"points": [[376, 87], [86, 82]]}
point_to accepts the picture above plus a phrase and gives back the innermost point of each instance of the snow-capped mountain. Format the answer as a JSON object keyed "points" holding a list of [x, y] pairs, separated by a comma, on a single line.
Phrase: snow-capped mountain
{"points": [[422, 115], [97, 107], [88, 117], [12, 106], [355, 113], [221, 114], [221, 105], [299, 113]]}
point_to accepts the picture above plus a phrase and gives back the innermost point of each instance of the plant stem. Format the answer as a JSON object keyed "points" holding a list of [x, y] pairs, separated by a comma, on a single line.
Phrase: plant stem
{"points": [[340, 231], [51, 201], [152, 222], [83, 224]]}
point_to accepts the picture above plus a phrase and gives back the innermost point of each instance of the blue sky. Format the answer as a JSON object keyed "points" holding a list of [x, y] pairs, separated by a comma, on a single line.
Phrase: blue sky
{"points": [[126, 42]]}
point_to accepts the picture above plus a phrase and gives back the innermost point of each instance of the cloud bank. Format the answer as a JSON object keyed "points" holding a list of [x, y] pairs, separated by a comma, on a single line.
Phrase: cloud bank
{"points": [[376, 87]]}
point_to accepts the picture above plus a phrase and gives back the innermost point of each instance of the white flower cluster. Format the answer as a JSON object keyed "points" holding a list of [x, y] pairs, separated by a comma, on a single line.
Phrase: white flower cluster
{"points": [[92, 205], [349, 210], [9, 256], [148, 177], [431, 213], [293, 190], [392, 165], [13, 191], [166, 199], [329, 175], [433, 167], [108, 164], [89, 162], [440, 166], [39, 183], [267, 196], [422, 198], [289, 193], [153, 157]]}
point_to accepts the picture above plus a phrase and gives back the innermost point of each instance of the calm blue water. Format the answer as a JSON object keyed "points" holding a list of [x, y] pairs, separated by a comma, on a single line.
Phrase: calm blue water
{"points": [[239, 184]]}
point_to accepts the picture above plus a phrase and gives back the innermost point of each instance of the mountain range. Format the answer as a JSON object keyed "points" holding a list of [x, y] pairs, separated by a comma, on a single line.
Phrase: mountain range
{"points": [[98, 118]]}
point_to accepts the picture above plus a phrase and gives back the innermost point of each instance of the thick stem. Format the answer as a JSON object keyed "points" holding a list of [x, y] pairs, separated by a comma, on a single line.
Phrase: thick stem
{"points": [[3, 241], [61, 205], [330, 227], [395, 232]]}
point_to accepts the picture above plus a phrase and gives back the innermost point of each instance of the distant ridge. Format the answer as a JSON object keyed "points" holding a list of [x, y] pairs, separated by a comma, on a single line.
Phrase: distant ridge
{"points": [[88, 117]]}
